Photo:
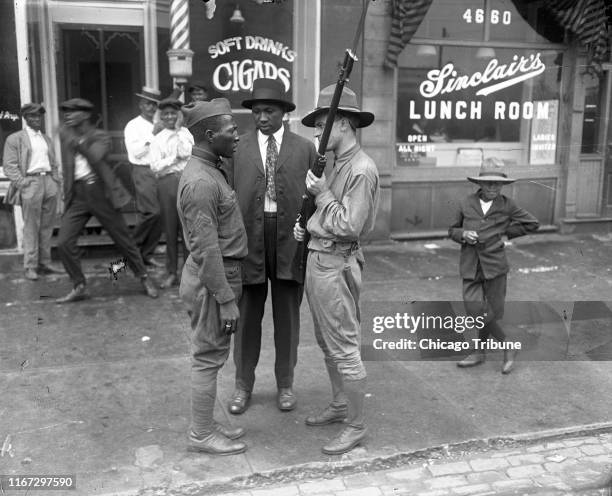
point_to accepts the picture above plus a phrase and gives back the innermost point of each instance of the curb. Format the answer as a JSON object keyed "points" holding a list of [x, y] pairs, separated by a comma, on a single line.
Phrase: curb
{"points": [[325, 470]]}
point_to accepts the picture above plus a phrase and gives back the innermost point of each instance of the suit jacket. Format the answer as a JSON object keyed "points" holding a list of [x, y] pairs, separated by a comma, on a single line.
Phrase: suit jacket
{"points": [[95, 148], [15, 161], [503, 217], [246, 175]]}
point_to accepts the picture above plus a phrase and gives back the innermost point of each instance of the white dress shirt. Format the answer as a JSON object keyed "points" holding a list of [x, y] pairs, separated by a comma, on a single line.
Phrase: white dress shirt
{"points": [[81, 167], [170, 151], [262, 139], [39, 160], [485, 205], [138, 135]]}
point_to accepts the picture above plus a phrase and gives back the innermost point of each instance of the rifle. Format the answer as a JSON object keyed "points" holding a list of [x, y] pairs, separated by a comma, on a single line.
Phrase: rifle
{"points": [[308, 206]]}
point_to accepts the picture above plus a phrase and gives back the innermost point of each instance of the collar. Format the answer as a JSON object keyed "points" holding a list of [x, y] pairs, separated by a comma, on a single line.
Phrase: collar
{"points": [[206, 156], [262, 139], [346, 157], [29, 130]]}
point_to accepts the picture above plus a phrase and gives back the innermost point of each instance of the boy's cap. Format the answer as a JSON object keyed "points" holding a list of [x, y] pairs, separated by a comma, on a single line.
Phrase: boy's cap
{"points": [[492, 169], [175, 103], [32, 108]]}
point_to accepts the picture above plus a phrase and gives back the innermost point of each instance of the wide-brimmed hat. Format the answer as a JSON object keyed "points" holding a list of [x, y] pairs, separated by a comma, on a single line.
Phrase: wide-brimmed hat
{"points": [[75, 104], [269, 90], [32, 108], [196, 111], [492, 169], [348, 103], [149, 94]]}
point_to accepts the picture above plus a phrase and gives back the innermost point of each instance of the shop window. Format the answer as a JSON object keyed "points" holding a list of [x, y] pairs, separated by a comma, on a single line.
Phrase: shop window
{"points": [[459, 104], [592, 116]]}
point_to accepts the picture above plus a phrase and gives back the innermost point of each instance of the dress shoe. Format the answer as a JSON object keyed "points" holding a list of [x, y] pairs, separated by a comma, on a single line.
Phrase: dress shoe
{"points": [[230, 432], [509, 357], [169, 281], [78, 293], [47, 269], [216, 444], [330, 415], [31, 274], [149, 287], [472, 360], [151, 262], [350, 437], [286, 400], [239, 402]]}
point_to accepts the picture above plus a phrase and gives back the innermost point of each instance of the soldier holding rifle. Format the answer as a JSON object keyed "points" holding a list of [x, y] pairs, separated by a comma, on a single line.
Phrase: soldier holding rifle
{"points": [[345, 212]]}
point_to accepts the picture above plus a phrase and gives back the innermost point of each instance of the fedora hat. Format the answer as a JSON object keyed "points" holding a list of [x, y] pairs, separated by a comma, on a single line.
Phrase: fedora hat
{"points": [[149, 94], [492, 169], [269, 90], [348, 103]]}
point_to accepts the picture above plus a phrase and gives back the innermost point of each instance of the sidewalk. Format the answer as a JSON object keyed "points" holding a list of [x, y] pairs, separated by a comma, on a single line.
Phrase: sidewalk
{"points": [[100, 388]]}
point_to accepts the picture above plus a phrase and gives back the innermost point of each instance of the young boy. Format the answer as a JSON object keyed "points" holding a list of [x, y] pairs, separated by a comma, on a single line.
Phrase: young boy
{"points": [[480, 221]]}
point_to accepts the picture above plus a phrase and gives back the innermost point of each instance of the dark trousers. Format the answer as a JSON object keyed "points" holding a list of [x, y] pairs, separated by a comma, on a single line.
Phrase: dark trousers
{"points": [[286, 300], [88, 200], [167, 190], [149, 227], [486, 297]]}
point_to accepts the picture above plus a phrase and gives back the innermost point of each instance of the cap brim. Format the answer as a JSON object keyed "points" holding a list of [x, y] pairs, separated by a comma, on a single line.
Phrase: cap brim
{"points": [[496, 179], [151, 99], [365, 118], [288, 106]]}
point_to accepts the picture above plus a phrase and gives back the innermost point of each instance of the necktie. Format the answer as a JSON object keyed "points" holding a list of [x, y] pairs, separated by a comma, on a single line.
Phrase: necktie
{"points": [[271, 158]]}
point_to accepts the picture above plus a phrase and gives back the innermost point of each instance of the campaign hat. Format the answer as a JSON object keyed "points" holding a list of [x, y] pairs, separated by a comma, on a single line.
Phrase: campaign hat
{"points": [[32, 108], [348, 103], [149, 94], [269, 90], [175, 103], [77, 104], [197, 111], [492, 169]]}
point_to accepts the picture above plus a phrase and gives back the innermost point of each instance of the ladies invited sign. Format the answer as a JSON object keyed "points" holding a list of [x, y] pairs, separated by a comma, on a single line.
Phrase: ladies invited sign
{"points": [[242, 59]]}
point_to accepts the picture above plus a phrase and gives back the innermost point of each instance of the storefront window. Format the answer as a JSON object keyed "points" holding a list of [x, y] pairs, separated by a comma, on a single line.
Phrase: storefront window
{"points": [[458, 105], [592, 115]]}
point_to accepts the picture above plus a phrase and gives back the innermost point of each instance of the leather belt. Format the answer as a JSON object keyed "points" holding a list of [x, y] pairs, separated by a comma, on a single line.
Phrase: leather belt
{"points": [[41, 173], [88, 179]]}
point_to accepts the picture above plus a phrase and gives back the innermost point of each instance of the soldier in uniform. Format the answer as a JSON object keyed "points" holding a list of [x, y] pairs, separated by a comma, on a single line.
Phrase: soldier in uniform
{"points": [[345, 211], [211, 284]]}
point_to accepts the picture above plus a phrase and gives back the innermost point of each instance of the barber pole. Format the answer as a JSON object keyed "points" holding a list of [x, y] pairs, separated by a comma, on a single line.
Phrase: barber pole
{"points": [[179, 55]]}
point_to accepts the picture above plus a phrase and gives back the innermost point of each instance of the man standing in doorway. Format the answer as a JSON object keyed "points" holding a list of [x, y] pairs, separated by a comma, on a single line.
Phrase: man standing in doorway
{"points": [[268, 174], [29, 162], [211, 283], [138, 136], [345, 212]]}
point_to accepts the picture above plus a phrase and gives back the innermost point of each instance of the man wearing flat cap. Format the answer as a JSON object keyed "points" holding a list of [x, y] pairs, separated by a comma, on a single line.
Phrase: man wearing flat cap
{"points": [[197, 92], [138, 135], [268, 173], [170, 150], [29, 162], [211, 283], [91, 188], [345, 211]]}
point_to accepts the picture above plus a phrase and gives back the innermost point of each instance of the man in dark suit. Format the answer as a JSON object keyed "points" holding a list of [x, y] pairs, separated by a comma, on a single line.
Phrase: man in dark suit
{"points": [[91, 188], [268, 174], [30, 164]]}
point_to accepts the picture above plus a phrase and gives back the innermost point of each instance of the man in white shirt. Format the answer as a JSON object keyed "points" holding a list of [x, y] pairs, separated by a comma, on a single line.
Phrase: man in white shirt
{"points": [[138, 134], [29, 162], [170, 151]]}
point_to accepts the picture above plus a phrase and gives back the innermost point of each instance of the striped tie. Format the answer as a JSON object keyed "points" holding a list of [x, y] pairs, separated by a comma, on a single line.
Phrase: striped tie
{"points": [[271, 159]]}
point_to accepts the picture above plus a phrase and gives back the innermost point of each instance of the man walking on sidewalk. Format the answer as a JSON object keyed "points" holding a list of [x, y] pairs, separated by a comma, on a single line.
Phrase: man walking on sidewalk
{"points": [[211, 284], [138, 136], [345, 212], [91, 188], [268, 173], [29, 162]]}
